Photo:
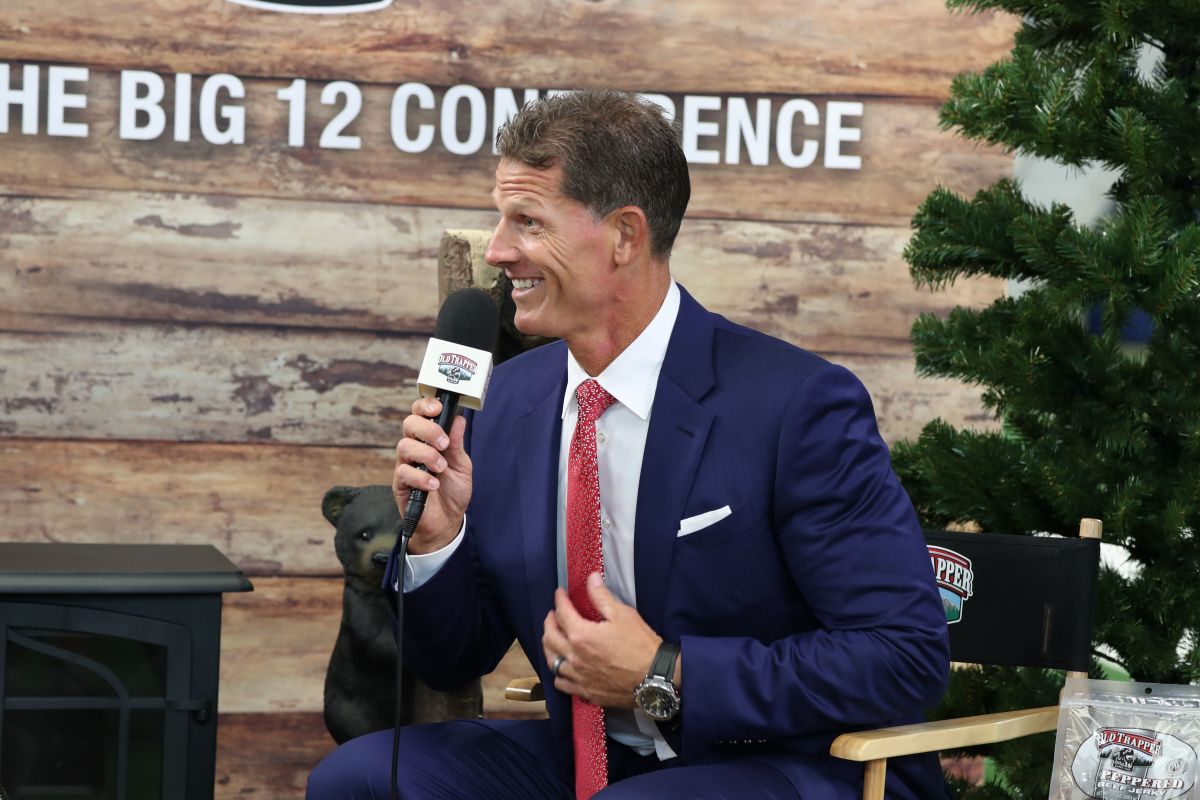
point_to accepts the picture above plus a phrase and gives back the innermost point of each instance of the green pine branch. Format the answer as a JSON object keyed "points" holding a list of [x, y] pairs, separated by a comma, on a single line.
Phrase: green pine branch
{"points": [[1088, 427]]}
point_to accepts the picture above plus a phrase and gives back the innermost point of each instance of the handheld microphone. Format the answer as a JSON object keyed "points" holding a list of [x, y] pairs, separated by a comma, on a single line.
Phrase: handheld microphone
{"points": [[457, 368]]}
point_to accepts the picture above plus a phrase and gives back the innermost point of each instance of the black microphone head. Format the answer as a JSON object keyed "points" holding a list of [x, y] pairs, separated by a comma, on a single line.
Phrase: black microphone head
{"points": [[469, 317]]}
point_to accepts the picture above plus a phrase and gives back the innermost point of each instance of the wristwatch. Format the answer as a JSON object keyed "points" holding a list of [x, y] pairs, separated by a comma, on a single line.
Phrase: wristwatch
{"points": [[658, 695]]}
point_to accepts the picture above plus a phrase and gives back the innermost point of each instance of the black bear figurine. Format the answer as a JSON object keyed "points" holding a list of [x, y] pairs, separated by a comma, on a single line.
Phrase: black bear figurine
{"points": [[360, 685]]}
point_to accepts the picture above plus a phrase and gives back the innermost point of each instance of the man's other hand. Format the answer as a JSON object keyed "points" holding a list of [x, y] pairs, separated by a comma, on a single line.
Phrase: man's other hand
{"points": [[606, 660]]}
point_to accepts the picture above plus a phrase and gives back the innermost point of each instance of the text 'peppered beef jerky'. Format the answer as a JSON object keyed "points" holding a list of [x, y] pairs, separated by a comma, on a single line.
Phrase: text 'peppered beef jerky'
{"points": [[1126, 741]]}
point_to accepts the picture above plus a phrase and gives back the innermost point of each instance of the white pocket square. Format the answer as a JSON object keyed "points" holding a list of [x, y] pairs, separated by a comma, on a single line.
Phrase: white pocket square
{"points": [[702, 521]]}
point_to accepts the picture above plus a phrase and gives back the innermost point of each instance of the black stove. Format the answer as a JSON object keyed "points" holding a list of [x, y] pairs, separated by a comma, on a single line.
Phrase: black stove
{"points": [[109, 658]]}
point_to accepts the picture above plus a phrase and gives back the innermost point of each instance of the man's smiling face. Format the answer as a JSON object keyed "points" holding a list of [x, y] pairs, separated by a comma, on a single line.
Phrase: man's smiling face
{"points": [[557, 254]]}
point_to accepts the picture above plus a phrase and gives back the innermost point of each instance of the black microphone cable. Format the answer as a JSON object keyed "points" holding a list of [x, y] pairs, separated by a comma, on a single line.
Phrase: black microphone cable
{"points": [[467, 317], [408, 525]]}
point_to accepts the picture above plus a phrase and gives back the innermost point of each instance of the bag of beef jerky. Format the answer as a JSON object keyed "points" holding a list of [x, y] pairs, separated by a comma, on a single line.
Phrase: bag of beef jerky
{"points": [[1126, 741]]}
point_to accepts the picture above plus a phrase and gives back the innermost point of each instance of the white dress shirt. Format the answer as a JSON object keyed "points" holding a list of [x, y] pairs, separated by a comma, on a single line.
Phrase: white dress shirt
{"points": [[631, 379]]}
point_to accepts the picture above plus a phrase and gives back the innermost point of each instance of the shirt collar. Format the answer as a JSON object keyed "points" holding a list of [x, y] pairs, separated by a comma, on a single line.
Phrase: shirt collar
{"points": [[632, 377]]}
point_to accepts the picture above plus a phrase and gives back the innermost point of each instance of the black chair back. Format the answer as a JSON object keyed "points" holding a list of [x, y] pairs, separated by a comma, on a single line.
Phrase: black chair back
{"points": [[1025, 601]]}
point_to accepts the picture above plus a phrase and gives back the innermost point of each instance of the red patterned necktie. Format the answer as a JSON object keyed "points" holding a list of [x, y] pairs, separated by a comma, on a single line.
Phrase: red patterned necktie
{"points": [[585, 555]]}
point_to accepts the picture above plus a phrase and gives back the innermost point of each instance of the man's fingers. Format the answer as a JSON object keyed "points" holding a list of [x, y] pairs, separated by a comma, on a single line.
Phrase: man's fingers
{"points": [[568, 618], [568, 686], [408, 476], [454, 452], [410, 451], [426, 431], [554, 641], [427, 406], [602, 599]]}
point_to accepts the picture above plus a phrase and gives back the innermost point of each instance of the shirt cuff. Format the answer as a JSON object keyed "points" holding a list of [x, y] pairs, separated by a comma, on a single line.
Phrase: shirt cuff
{"points": [[647, 727], [418, 569]]}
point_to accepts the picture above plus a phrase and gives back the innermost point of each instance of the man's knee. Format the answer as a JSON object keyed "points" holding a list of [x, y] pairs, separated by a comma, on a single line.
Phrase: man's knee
{"points": [[325, 781], [736, 780], [467, 759], [361, 768], [347, 773]]}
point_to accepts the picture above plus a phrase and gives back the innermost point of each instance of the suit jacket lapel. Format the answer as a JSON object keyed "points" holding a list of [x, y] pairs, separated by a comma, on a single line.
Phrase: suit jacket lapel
{"points": [[537, 435], [674, 443], [679, 427]]}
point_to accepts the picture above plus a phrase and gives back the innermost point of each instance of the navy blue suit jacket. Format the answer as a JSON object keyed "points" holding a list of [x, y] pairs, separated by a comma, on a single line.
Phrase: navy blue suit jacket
{"points": [[808, 611]]}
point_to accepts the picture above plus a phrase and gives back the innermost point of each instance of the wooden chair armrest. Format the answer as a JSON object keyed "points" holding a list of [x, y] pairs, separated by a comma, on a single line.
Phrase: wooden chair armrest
{"points": [[525, 689], [944, 734]]}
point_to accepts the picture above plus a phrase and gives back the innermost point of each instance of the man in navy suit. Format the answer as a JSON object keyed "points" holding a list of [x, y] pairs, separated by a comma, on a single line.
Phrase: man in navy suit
{"points": [[765, 582]]}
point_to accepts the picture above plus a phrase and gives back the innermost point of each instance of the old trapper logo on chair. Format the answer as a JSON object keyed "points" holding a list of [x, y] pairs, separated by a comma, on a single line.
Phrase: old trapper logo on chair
{"points": [[955, 580]]}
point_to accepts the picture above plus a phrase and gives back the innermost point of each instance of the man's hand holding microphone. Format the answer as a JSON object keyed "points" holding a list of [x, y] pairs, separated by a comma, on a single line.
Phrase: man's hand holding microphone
{"points": [[431, 457], [447, 475]]}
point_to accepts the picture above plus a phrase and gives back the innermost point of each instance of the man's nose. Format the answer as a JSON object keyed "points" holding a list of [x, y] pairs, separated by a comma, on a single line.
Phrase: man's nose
{"points": [[499, 250]]}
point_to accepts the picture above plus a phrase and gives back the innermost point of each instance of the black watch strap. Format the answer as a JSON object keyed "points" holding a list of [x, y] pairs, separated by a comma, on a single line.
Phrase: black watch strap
{"points": [[663, 665]]}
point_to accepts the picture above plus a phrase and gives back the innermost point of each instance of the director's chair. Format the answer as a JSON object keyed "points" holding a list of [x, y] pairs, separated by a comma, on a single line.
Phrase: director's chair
{"points": [[1018, 601]]}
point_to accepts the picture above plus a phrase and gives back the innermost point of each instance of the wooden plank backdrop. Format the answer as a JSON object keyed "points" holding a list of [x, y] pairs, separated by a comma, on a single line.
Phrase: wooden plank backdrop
{"points": [[298, 386], [260, 504], [277, 673], [905, 153], [858, 46], [252, 261], [197, 340]]}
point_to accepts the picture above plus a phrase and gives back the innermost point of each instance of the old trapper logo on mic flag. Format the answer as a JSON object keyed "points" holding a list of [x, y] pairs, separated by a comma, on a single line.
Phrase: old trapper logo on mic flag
{"points": [[453, 367], [456, 367]]}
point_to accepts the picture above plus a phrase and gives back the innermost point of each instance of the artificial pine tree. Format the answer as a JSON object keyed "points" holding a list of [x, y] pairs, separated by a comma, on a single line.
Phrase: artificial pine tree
{"points": [[1089, 427]]}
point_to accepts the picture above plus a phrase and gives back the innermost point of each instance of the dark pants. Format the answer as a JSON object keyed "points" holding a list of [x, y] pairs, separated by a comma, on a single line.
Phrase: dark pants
{"points": [[514, 760]]}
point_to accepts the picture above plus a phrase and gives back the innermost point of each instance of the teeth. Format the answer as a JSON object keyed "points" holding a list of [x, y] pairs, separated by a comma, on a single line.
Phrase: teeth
{"points": [[525, 283]]}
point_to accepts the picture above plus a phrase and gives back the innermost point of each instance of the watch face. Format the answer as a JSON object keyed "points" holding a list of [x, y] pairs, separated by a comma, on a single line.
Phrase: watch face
{"points": [[658, 699]]}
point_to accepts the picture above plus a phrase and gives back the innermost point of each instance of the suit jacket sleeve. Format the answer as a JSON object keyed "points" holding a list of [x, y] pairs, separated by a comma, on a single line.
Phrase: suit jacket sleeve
{"points": [[853, 546], [454, 630]]}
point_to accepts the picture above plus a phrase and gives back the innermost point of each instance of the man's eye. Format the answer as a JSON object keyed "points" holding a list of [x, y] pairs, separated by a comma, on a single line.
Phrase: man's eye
{"points": [[530, 222]]}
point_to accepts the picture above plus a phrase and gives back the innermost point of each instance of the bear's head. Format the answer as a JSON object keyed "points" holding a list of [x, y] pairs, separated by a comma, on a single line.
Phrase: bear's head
{"points": [[367, 521]]}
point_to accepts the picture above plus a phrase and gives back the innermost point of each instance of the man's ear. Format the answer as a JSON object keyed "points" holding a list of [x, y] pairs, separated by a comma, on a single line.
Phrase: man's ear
{"points": [[632, 232]]}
